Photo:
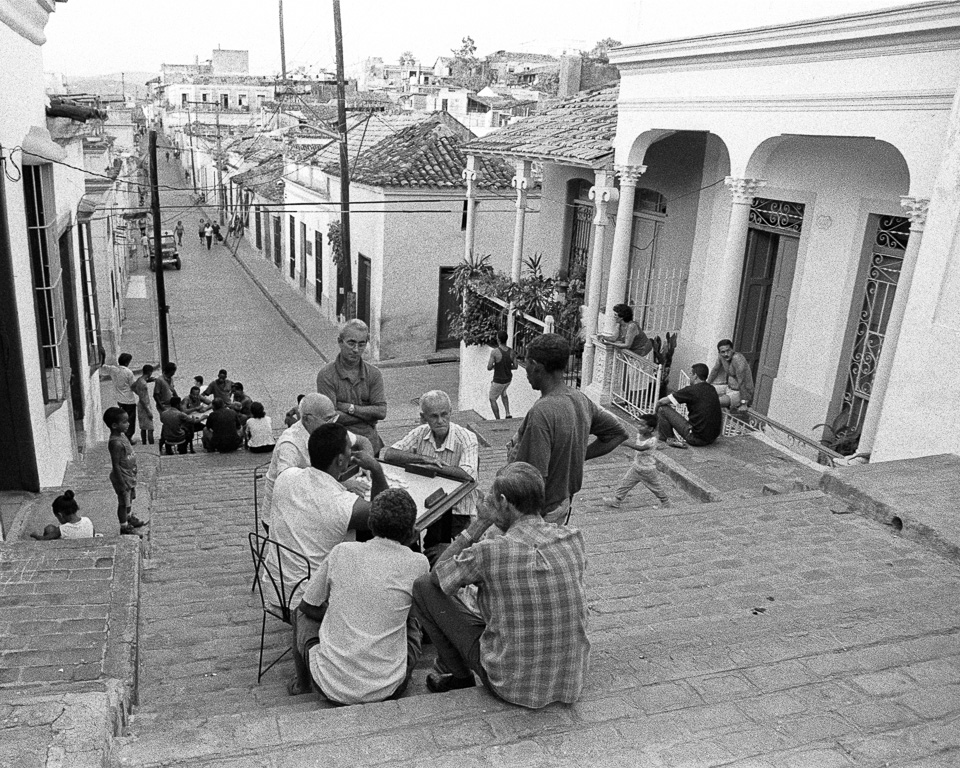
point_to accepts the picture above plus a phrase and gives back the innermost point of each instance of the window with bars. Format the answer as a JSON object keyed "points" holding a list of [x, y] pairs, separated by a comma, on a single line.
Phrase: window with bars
{"points": [[91, 310], [47, 280]]}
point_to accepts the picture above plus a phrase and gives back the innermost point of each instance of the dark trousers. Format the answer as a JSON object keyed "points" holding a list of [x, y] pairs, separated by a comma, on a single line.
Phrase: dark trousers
{"points": [[131, 410], [669, 420], [209, 241], [453, 628]]}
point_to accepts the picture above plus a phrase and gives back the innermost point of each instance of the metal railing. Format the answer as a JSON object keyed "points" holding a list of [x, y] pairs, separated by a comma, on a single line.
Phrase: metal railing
{"points": [[634, 383], [749, 422]]}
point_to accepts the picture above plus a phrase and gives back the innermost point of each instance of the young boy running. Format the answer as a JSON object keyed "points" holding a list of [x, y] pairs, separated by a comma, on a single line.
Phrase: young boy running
{"points": [[644, 468], [123, 472]]}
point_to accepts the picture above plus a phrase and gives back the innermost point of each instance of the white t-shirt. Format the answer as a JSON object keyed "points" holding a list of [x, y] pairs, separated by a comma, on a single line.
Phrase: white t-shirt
{"points": [[82, 529], [122, 378], [311, 516], [362, 653], [260, 432]]}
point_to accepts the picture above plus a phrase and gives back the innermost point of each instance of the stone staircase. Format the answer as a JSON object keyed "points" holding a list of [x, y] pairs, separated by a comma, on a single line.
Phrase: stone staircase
{"points": [[766, 629]]}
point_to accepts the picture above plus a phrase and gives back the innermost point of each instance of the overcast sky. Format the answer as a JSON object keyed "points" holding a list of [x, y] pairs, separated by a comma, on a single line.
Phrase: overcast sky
{"points": [[106, 36]]}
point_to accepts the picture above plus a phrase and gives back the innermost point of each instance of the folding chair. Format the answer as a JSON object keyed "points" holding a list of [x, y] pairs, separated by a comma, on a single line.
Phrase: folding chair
{"points": [[278, 588], [259, 473]]}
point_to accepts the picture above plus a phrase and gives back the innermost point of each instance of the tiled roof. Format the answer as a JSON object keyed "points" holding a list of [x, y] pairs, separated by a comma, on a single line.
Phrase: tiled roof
{"points": [[577, 131], [427, 154], [363, 132], [262, 179]]}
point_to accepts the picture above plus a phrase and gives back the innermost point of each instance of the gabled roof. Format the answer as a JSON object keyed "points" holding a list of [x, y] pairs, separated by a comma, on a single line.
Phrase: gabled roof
{"points": [[577, 131], [263, 179], [363, 132], [427, 154]]}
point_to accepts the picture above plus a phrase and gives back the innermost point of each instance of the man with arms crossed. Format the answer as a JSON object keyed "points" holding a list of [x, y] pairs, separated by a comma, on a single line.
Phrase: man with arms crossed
{"points": [[553, 435], [529, 644], [355, 386]]}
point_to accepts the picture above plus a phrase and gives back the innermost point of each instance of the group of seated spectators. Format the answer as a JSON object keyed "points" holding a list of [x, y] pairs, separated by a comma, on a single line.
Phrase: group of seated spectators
{"points": [[222, 413]]}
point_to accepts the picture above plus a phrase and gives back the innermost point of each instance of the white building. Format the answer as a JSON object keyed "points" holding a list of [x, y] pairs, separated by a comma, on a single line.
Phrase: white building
{"points": [[49, 382]]}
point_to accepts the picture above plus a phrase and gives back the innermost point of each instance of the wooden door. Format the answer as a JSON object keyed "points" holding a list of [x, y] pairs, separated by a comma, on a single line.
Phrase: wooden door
{"points": [[317, 267], [759, 267], [303, 257], [277, 241], [292, 255], [776, 325], [446, 305], [363, 289]]}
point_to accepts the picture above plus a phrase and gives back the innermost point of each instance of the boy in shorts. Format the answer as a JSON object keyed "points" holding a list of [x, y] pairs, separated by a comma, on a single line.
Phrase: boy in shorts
{"points": [[644, 468], [123, 472]]}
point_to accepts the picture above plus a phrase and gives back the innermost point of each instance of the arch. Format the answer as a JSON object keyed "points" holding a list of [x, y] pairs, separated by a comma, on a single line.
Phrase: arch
{"points": [[815, 162]]}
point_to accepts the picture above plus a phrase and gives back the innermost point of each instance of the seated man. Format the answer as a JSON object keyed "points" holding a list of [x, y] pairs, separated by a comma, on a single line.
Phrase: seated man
{"points": [[705, 421], [220, 387], [311, 511], [177, 429], [731, 377], [222, 432], [291, 449], [354, 640], [240, 402], [439, 442], [529, 645]]}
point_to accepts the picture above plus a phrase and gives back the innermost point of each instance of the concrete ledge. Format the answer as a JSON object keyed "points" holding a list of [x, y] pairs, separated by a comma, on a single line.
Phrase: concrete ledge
{"points": [[918, 497], [686, 480]]}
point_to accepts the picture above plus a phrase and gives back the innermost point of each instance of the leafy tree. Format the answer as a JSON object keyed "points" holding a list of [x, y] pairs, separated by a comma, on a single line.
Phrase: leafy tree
{"points": [[407, 58], [467, 49], [602, 48]]}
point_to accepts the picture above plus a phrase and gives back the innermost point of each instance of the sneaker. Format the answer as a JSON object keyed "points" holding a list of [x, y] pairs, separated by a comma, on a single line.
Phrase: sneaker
{"points": [[128, 530], [613, 502], [445, 683], [674, 443], [135, 522]]}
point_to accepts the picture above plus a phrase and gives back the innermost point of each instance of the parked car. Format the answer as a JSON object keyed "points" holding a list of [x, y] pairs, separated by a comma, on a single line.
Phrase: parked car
{"points": [[171, 255]]}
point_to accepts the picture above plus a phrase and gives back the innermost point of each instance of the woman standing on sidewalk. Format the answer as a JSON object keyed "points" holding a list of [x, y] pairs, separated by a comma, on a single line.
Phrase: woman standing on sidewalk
{"points": [[202, 230], [179, 232]]}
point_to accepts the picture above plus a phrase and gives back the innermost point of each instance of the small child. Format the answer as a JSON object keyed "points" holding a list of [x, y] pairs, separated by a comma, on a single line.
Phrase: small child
{"points": [[72, 525], [123, 472], [644, 468], [293, 415], [258, 431]]}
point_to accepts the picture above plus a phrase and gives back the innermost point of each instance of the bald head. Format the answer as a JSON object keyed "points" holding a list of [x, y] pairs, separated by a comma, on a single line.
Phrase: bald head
{"points": [[316, 409]]}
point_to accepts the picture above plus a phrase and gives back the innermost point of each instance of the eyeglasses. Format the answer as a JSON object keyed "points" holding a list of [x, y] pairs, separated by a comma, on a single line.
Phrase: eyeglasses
{"points": [[354, 344]]}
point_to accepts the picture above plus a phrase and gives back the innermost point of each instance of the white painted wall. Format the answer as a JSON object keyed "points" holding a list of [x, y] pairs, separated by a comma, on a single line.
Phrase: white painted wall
{"points": [[475, 385]]}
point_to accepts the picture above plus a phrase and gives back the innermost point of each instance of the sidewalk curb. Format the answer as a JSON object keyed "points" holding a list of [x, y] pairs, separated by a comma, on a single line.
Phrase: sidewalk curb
{"points": [[686, 480], [276, 304]]}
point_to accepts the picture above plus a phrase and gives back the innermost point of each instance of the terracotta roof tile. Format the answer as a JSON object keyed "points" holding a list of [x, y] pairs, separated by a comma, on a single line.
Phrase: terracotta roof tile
{"points": [[579, 130], [426, 154]]}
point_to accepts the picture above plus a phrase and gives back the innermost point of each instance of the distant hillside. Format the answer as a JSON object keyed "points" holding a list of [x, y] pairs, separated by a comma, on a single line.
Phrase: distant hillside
{"points": [[133, 83]]}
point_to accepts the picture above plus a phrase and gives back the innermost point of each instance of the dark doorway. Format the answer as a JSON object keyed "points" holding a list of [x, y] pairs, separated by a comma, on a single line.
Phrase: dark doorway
{"points": [[277, 240], [303, 257], [446, 305], [74, 340], [318, 267], [768, 269], [363, 289], [293, 247]]}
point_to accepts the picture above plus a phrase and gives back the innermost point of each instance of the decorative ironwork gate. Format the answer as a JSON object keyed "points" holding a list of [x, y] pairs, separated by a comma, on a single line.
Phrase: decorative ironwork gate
{"points": [[581, 238], [886, 260]]}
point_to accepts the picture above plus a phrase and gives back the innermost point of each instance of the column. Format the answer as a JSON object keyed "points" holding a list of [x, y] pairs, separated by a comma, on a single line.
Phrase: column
{"points": [[599, 387], [520, 183], [602, 193], [916, 208], [729, 271], [469, 175]]}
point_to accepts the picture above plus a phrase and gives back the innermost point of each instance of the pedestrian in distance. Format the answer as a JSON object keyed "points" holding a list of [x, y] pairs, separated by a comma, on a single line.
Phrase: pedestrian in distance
{"points": [[503, 363], [208, 235], [216, 232], [178, 231], [644, 468], [71, 524], [202, 231], [123, 468], [168, 157]]}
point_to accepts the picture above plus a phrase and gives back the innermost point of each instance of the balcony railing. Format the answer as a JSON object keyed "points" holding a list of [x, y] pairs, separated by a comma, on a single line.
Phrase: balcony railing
{"points": [[635, 383]]}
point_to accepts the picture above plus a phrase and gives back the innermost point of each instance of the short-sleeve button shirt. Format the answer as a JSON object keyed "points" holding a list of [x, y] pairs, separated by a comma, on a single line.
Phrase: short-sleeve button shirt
{"points": [[459, 449], [534, 648]]}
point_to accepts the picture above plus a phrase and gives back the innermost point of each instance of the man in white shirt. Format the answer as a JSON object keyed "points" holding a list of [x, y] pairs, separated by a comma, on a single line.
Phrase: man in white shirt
{"points": [[354, 639], [291, 449], [313, 512], [440, 442], [123, 378]]}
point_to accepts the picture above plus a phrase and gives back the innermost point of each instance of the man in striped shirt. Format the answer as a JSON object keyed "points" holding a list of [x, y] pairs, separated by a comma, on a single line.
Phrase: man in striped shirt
{"points": [[529, 643], [440, 442]]}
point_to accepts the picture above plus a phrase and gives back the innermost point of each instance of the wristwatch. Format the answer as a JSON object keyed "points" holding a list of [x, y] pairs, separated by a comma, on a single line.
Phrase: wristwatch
{"points": [[351, 409]]}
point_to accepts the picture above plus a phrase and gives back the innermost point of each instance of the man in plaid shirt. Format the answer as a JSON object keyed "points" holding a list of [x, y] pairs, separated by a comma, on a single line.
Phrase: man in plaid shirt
{"points": [[529, 644]]}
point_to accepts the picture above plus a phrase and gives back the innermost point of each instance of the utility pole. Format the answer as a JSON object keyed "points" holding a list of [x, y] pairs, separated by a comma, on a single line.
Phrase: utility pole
{"points": [[221, 197], [162, 307], [193, 166], [283, 51], [350, 298]]}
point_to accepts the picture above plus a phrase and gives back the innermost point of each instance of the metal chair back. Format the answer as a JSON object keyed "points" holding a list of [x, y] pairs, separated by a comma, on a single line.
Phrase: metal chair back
{"points": [[276, 592]]}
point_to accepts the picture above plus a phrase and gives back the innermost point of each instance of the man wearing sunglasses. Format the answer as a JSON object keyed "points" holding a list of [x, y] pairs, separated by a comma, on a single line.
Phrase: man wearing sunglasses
{"points": [[354, 385]]}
